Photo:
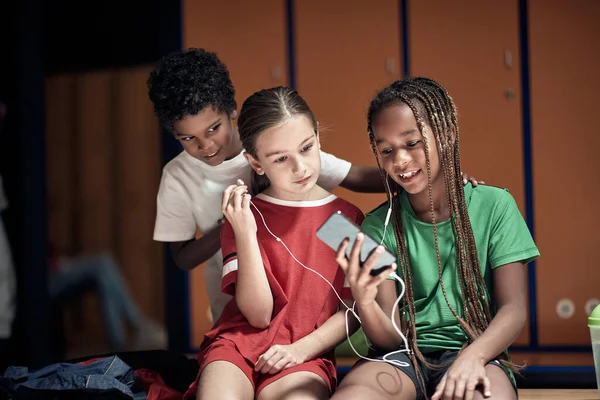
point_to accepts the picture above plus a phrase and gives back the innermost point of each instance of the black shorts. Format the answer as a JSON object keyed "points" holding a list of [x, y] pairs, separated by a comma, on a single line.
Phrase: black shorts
{"points": [[432, 376]]}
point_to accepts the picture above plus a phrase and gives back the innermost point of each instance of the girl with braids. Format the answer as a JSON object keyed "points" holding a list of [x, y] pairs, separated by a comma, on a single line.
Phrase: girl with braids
{"points": [[461, 254]]}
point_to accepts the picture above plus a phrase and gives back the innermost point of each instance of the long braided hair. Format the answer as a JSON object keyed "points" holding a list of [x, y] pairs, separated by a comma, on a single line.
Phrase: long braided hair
{"points": [[431, 103]]}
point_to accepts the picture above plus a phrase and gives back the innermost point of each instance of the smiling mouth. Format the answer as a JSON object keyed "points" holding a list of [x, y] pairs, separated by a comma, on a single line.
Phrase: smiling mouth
{"points": [[212, 155], [409, 175]]}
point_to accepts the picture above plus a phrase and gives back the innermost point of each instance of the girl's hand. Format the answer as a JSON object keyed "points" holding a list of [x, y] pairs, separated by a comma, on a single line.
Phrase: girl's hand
{"points": [[461, 380], [235, 206], [466, 179], [278, 358], [362, 283]]}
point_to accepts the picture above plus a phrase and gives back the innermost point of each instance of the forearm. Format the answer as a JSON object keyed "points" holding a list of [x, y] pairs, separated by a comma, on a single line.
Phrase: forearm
{"points": [[378, 327], [327, 336], [364, 179], [503, 330], [189, 254], [252, 291]]}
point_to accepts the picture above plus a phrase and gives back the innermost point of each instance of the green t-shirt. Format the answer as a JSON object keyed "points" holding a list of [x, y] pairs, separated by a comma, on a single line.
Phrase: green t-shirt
{"points": [[501, 236]]}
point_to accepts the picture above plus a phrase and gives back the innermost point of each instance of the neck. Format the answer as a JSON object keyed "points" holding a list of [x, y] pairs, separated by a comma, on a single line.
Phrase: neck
{"points": [[235, 147], [421, 203], [316, 193]]}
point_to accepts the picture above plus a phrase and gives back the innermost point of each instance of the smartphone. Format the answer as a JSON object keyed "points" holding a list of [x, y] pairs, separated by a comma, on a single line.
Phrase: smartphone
{"points": [[339, 227]]}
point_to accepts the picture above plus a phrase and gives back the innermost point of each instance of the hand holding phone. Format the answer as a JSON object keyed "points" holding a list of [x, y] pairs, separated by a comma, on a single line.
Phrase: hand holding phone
{"points": [[338, 227]]}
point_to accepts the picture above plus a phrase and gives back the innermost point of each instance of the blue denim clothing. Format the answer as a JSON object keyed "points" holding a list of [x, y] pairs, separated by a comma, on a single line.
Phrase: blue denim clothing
{"points": [[106, 378]]}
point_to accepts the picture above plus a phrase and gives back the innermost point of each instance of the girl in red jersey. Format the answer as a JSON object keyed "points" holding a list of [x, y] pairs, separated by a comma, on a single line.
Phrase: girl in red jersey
{"points": [[275, 338]]}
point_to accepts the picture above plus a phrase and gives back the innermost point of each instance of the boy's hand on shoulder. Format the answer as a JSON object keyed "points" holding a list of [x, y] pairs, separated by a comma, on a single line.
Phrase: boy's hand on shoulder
{"points": [[235, 206], [466, 375], [466, 178]]}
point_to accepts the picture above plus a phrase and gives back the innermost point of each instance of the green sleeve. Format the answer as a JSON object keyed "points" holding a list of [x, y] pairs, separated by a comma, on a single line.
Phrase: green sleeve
{"points": [[373, 226], [510, 239]]}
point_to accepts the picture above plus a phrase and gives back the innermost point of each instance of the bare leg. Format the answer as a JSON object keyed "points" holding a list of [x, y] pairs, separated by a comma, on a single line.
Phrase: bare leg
{"points": [[376, 381], [502, 388], [224, 380], [301, 385]]}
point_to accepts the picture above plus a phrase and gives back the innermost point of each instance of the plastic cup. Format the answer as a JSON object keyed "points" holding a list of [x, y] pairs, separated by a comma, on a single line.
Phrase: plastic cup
{"points": [[594, 325]]}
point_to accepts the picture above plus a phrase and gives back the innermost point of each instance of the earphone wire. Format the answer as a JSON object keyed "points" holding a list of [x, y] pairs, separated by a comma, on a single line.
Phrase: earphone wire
{"points": [[352, 310]]}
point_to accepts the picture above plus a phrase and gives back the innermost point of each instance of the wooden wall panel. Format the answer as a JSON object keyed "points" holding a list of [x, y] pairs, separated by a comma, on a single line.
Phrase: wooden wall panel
{"points": [[103, 172], [345, 52], [564, 58], [60, 159], [93, 207], [137, 157], [95, 166], [475, 55]]}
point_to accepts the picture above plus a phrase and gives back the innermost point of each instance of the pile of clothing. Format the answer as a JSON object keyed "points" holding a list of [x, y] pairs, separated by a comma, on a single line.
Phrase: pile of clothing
{"points": [[158, 375]]}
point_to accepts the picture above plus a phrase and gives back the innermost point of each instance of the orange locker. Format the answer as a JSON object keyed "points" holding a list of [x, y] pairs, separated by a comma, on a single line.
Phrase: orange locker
{"points": [[250, 38], [564, 62], [345, 52]]}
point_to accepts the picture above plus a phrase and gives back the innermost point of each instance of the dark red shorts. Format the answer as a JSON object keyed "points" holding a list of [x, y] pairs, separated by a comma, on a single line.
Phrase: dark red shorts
{"points": [[225, 350]]}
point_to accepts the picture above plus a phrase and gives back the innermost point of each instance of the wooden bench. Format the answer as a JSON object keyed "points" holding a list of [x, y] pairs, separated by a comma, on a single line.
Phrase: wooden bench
{"points": [[558, 394]]}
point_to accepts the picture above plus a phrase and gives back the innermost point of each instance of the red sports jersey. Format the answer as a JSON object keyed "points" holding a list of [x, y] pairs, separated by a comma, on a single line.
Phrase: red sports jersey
{"points": [[302, 301]]}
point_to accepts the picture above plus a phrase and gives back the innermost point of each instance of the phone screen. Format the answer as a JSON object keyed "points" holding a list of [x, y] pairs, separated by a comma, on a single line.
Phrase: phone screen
{"points": [[339, 227]]}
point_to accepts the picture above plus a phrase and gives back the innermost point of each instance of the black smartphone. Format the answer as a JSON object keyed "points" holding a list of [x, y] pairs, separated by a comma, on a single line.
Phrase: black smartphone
{"points": [[339, 227]]}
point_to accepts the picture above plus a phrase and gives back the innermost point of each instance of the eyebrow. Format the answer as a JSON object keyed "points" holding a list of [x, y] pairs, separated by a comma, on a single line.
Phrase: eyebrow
{"points": [[273, 153], [218, 121], [405, 133]]}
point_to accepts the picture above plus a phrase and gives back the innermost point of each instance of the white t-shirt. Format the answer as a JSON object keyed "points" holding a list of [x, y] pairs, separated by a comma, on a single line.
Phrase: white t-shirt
{"points": [[190, 195]]}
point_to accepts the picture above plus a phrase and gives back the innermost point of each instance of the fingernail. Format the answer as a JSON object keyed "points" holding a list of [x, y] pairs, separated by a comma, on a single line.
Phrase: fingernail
{"points": [[488, 393], [240, 182], [379, 249], [360, 235]]}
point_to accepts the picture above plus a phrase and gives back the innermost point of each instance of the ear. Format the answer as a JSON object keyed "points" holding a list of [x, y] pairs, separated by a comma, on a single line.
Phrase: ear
{"points": [[234, 114], [254, 163]]}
